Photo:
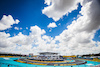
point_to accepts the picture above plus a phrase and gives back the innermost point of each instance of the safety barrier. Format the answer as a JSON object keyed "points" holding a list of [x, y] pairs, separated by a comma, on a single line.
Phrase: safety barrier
{"points": [[9, 65], [95, 59], [47, 61], [12, 65], [53, 64]]}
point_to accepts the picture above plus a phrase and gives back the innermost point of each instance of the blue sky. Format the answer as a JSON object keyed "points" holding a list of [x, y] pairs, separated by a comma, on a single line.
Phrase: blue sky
{"points": [[37, 13], [30, 13]]}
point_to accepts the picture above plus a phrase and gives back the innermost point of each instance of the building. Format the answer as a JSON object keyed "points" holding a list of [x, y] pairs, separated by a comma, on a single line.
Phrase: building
{"points": [[30, 54], [49, 55]]}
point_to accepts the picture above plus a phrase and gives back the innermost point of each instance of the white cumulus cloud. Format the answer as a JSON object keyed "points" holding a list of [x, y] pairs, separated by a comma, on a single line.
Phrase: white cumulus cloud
{"points": [[16, 28], [20, 28], [7, 21], [76, 39], [26, 27], [4, 41], [22, 43], [52, 25], [56, 9]]}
